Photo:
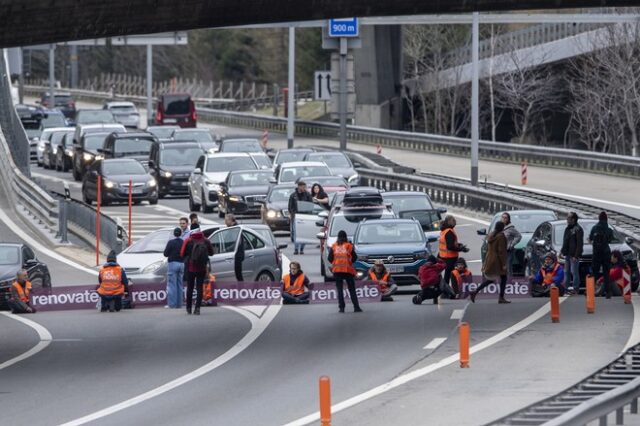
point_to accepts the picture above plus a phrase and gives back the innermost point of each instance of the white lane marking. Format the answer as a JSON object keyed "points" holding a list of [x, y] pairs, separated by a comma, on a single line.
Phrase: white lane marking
{"points": [[471, 219], [457, 314], [43, 334], [579, 197], [634, 338], [39, 247], [258, 326], [405, 378], [433, 344]]}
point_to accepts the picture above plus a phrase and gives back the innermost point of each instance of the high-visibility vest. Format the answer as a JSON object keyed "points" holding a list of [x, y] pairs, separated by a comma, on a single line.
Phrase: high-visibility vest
{"points": [[295, 289], [625, 283], [111, 281], [443, 252], [342, 259], [384, 281], [207, 288], [548, 276], [460, 277], [23, 292]]}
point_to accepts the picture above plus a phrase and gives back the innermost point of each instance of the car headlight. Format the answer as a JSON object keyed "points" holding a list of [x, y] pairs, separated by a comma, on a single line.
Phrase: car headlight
{"points": [[359, 275], [235, 199], [273, 213], [87, 157], [99, 157], [109, 184], [40, 146], [420, 255], [166, 174], [212, 185], [54, 151], [353, 178], [152, 183], [69, 152], [153, 267], [6, 284], [629, 256]]}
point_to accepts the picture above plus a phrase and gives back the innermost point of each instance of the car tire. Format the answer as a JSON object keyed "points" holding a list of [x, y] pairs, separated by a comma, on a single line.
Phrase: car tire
{"points": [[205, 208], [153, 201], [192, 205], [47, 281], [265, 276], [76, 175], [86, 198]]}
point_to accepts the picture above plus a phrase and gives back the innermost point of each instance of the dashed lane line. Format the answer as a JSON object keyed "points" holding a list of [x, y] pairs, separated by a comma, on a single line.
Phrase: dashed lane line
{"points": [[43, 334], [435, 343], [457, 314]]}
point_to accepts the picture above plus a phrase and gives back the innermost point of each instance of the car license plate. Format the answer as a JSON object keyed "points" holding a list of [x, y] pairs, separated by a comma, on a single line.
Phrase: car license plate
{"points": [[395, 269], [183, 183], [136, 191], [170, 120]]}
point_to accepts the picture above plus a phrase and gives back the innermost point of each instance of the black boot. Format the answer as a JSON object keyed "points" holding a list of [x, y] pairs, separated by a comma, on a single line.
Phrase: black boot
{"points": [[196, 311]]}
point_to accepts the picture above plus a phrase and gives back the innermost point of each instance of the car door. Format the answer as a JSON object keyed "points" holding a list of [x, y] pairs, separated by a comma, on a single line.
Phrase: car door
{"points": [[195, 181], [540, 249], [225, 242], [32, 266], [91, 179], [254, 255], [305, 222]]}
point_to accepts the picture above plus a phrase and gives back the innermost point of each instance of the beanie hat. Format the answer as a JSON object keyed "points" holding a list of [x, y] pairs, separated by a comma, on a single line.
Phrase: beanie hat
{"points": [[177, 232], [111, 257], [551, 256], [603, 216], [194, 226], [432, 259], [342, 235], [461, 261]]}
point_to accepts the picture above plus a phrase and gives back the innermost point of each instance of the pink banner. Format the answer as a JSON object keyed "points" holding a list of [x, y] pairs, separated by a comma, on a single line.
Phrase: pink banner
{"points": [[516, 287]]}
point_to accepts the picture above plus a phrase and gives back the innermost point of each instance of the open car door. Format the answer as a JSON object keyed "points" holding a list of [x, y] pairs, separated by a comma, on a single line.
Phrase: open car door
{"points": [[305, 222]]}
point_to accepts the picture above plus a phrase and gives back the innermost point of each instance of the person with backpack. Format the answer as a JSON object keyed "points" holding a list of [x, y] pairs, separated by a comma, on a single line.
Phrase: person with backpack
{"points": [[342, 256], [430, 280], [196, 252], [572, 244], [600, 237]]}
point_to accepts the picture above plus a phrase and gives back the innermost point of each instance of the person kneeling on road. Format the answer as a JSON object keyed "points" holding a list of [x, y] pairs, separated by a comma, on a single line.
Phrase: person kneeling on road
{"points": [[20, 299], [382, 277], [113, 284], [294, 285], [430, 280], [551, 273], [620, 274]]}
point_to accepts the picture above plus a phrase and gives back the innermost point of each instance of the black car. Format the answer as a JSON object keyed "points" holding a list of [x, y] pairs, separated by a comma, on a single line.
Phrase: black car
{"points": [[273, 211], [115, 175], [17, 256], [548, 237], [243, 191], [136, 145], [86, 151], [171, 165], [62, 101], [163, 133]]}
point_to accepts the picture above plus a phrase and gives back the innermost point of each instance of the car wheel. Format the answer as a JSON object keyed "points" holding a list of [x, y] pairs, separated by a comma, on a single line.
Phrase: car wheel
{"points": [[85, 197], [153, 201], [192, 205], [47, 281], [205, 208], [45, 165], [76, 175], [265, 277]]}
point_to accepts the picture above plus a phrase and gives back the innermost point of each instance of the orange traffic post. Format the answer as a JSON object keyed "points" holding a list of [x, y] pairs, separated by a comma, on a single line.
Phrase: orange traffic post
{"points": [[325, 401], [523, 173], [98, 202], [464, 332], [591, 294], [555, 304], [130, 204]]}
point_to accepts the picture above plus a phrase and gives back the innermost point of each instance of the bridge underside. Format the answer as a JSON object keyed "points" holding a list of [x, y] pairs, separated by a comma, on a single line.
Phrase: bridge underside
{"points": [[30, 22]]}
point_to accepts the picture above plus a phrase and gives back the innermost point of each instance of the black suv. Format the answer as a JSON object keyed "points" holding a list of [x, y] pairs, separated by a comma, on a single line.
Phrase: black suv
{"points": [[86, 152], [171, 164], [136, 145]]}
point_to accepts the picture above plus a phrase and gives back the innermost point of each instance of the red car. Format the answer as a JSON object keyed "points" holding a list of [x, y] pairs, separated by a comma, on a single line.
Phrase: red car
{"points": [[176, 109]]}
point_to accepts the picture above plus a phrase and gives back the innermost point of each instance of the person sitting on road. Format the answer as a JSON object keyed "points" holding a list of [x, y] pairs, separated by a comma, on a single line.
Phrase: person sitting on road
{"points": [[551, 273], [460, 275], [230, 220], [620, 274], [430, 279], [293, 286], [113, 284], [20, 298], [380, 275]]}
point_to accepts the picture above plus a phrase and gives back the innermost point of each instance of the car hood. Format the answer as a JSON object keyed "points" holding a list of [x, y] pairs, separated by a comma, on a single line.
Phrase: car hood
{"points": [[8, 272], [216, 177], [345, 172], [177, 169], [249, 190], [390, 249], [134, 178], [137, 261], [526, 237], [278, 205]]}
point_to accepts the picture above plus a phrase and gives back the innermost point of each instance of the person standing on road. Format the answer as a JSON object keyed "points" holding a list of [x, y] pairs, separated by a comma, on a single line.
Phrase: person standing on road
{"points": [[194, 221], [20, 298], [300, 194], [184, 227], [196, 252], [430, 275], [449, 249], [342, 256], [600, 237], [230, 220], [513, 238], [319, 196], [113, 284], [494, 267], [175, 270], [380, 275], [294, 285], [572, 244]]}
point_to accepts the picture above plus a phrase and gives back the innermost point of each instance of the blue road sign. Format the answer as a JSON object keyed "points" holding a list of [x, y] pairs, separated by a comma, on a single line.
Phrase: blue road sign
{"points": [[344, 27]]}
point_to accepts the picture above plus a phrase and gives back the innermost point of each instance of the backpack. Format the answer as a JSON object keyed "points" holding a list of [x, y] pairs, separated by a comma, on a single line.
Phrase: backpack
{"points": [[199, 254], [600, 240]]}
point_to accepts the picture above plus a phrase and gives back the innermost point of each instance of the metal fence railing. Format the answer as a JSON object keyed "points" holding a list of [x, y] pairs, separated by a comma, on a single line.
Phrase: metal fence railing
{"points": [[9, 121]]}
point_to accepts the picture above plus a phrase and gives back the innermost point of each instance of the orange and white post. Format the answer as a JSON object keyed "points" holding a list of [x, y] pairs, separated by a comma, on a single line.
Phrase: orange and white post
{"points": [[98, 202], [379, 149], [555, 304], [265, 139], [591, 294], [626, 290], [130, 207], [325, 401], [523, 173], [464, 334]]}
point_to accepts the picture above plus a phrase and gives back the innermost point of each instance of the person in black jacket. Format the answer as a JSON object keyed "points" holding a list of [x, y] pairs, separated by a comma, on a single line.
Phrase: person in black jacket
{"points": [[572, 243], [300, 194], [175, 269], [196, 251], [600, 237]]}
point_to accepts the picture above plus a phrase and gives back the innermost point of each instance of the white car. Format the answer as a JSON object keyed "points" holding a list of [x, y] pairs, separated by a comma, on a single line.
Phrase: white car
{"points": [[291, 172], [210, 171], [125, 113], [44, 138]]}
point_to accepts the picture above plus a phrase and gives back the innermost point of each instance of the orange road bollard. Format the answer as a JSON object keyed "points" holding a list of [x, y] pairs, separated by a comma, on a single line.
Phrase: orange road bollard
{"points": [[464, 332], [130, 204], [98, 202], [379, 149], [325, 401], [591, 294], [523, 173], [555, 304]]}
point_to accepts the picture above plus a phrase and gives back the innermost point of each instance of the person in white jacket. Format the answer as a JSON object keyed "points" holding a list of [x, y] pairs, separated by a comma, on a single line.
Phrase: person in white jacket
{"points": [[513, 238]]}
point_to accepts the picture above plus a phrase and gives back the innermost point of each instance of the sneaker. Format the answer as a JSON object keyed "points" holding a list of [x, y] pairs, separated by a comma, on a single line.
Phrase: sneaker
{"points": [[296, 252], [188, 311], [571, 290], [357, 310], [435, 300], [503, 300], [472, 296], [196, 311], [341, 310], [301, 251]]}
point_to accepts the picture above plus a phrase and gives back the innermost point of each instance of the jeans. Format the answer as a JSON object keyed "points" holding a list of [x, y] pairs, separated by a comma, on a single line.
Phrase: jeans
{"points": [[296, 246], [111, 303], [341, 277], [511, 254], [195, 279], [18, 308], [572, 274], [289, 299], [175, 272]]}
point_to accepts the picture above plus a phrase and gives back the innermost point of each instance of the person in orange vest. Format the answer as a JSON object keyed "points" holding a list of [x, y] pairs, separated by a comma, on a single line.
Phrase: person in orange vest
{"points": [[448, 250], [379, 274], [20, 298], [113, 284], [342, 256], [551, 273], [294, 285], [460, 275], [620, 273]]}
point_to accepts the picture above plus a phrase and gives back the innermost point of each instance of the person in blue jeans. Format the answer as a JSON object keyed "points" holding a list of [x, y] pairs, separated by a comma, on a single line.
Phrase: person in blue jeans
{"points": [[300, 194], [572, 245], [175, 270]]}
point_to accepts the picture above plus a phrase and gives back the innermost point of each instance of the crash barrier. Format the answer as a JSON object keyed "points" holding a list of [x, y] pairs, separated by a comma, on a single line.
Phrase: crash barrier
{"points": [[418, 142], [10, 123], [234, 294]]}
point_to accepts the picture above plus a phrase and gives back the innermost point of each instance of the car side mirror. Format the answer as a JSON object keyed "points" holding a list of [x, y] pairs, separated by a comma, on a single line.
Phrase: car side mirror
{"points": [[282, 246], [152, 164], [321, 235], [323, 214], [541, 243], [319, 222], [432, 239], [628, 240], [197, 171], [482, 231], [30, 262], [442, 210]]}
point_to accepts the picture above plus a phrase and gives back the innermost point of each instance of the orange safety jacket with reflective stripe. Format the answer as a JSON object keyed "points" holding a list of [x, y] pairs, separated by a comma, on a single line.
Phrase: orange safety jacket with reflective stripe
{"points": [[443, 252], [296, 288], [23, 292], [384, 281], [111, 281], [207, 288], [548, 276], [460, 277], [342, 259]]}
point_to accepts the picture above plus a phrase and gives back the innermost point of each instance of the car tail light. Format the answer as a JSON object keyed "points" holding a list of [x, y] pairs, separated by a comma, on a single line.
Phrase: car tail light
{"points": [[71, 104], [194, 114], [159, 116]]}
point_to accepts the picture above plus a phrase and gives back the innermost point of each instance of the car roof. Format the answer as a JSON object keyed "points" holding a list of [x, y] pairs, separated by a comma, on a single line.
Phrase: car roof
{"points": [[171, 144], [296, 150], [170, 126], [120, 103], [12, 244], [91, 110], [129, 135], [100, 125], [391, 219], [311, 154], [237, 172], [181, 130], [58, 129], [302, 164], [581, 220], [228, 154], [239, 140], [103, 134]]}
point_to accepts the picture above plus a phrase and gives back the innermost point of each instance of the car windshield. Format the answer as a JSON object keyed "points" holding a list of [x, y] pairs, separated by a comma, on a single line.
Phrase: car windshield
{"points": [[102, 129], [176, 104], [32, 132], [162, 132], [54, 120], [250, 179], [349, 223], [389, 233], [291, 174], [329, 181], [62, 100], [262, 161], [111, 168], [241, 145], [525, 223], [280, 194], [94, 142], [152, 243], [331, 160], [176, 156], [56, 137], [134, 146], [558, 233], [9, 255], [290, 156], [193, 135], [227, 164], [120, 109], [97, 116], [401, 203]]}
